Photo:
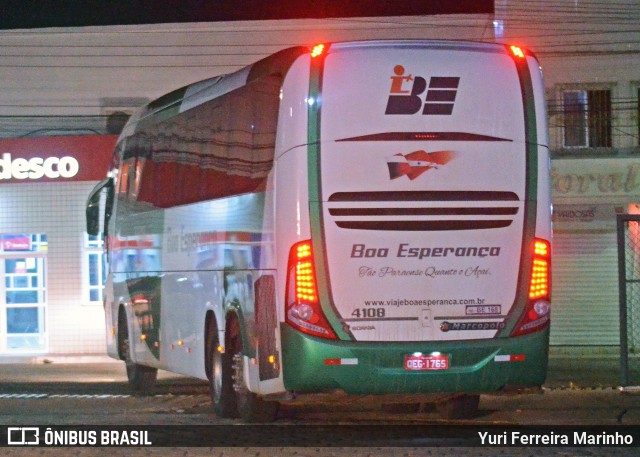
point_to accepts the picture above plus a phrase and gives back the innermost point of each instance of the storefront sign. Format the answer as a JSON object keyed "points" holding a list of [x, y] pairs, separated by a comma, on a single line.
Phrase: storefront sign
{"points": [[16, 243], [585, 218], [595, 177], [37, 167], [55, 159]]}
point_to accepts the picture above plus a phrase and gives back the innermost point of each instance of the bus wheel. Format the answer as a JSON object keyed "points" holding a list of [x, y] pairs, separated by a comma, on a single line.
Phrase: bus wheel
{"points": [[251, 407], [223, 396], [141, 378], [463, 406]]}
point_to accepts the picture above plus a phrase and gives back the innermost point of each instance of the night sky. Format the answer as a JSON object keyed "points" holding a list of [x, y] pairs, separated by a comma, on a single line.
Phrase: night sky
{"points": [[25, 14]]}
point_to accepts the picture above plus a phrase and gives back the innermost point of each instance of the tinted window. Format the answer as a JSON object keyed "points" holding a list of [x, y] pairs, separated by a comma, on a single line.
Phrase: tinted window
{"points": [[221, 148]]}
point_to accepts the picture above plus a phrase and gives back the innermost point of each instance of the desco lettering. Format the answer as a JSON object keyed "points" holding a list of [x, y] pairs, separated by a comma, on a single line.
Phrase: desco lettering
{"points": [[37, 167]]}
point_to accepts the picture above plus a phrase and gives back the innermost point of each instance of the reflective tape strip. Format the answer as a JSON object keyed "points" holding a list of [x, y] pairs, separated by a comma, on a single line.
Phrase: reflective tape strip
{"points": [[23, 395], [510, 358], [340, 361], [84, 396], [27, 396]]}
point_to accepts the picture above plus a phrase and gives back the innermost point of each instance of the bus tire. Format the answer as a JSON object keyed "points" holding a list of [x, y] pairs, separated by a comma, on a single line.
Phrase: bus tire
{"points": [[141, 378], [251, 407], [463, 406], [223, 397]]}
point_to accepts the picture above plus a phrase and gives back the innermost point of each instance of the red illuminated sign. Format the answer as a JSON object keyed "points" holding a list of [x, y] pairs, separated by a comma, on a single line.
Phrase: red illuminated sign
{"points": [[55, 158]]}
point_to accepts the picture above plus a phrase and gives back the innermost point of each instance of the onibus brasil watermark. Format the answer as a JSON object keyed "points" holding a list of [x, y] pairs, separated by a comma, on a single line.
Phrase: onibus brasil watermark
{"points": [[47, 436]]}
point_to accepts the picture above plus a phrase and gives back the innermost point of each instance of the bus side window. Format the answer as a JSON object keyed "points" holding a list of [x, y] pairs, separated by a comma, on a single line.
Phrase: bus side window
{"points": [[117, 173], [115, 159], [134, 187], [131, 181], [108, 211], [123, 179]]}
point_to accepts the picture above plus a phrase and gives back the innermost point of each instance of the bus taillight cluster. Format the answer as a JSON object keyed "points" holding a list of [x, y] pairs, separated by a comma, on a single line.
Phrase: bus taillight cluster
{"points": [[540, 272], [536, 314], [303, 307]]}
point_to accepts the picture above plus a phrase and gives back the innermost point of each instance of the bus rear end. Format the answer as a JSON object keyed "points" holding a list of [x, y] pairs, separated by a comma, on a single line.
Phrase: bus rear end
{"points": [[427, 267]]}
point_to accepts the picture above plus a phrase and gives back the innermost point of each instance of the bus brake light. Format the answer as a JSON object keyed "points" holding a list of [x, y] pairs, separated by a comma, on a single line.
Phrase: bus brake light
{"points": [[317, 50], [303, 307], [540, 273], [536, 313], [517, 51]]}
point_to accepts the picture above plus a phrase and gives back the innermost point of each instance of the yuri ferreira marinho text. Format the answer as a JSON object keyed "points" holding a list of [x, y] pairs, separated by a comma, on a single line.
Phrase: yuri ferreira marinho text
{"points": [[513, 438]]}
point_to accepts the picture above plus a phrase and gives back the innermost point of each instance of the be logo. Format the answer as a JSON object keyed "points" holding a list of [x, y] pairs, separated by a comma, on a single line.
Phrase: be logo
{"points": [[405, 95]]}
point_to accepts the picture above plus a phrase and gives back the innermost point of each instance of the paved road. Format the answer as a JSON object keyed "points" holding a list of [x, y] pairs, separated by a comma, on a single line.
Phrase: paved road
{"points": [[192, 407], [99, 392], [96, 393]]}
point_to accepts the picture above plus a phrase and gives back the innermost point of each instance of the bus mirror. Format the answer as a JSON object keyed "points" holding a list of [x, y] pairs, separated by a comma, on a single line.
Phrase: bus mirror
{"points": [[93, 206]]}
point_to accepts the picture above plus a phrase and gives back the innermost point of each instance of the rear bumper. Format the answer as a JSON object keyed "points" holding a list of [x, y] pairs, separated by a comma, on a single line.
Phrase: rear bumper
{"points": [[473, 366]]}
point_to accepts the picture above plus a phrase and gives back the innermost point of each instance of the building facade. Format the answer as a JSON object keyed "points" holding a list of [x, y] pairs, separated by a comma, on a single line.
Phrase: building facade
{"points": [[82, 82], [50, 294]]}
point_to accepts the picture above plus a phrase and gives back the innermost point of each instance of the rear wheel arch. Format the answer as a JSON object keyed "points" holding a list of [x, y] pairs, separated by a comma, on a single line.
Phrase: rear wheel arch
{"points": [[141, 378], [250, 406], [219, 370], [211, 334]]}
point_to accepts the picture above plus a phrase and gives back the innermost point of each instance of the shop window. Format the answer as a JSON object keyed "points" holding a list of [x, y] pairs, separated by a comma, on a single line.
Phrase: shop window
{"points": [[23, 320], [23, 299], [587, 118], [96, 272]]}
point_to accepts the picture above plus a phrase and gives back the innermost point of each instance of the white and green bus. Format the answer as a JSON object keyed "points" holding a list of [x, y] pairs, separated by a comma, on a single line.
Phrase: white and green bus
{"points": [[364, 217]]}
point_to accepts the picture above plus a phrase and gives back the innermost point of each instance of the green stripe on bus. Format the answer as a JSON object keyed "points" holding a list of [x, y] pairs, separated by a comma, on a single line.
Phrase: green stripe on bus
{"points": [[531, 196], [315, 199]]}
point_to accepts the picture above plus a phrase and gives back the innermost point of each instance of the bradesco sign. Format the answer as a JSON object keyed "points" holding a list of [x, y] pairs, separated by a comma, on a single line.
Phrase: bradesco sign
{"points": [[68, 158], [37, 167]]}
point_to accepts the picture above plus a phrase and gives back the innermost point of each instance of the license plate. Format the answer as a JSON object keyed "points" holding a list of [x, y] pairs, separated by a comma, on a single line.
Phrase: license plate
{"points": [[473, 310], [426, 362]]}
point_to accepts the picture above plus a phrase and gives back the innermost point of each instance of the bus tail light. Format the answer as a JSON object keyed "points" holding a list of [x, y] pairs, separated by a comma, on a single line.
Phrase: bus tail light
{"points": [[536, 314], [317, 50], [303, 306], [517, 51]]}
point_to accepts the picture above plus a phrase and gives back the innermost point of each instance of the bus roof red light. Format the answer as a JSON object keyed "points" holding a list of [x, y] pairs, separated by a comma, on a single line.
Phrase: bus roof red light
{"points": [[517, 51], [317, 50]]}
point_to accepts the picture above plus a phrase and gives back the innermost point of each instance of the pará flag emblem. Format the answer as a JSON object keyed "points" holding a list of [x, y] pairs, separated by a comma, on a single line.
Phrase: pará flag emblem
{"points": [[415, 163]]}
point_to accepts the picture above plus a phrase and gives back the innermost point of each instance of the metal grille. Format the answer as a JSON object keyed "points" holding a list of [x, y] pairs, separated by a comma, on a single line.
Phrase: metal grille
{"points": [[629, 274], [599, 116]]}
